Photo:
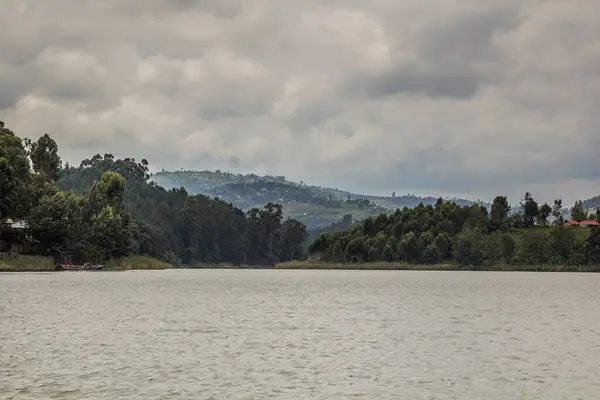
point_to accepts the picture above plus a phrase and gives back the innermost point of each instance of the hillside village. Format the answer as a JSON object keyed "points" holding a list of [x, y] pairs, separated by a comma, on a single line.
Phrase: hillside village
{"points": [[315, 206]]}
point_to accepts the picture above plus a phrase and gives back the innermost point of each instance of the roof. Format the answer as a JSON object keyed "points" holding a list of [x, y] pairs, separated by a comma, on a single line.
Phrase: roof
{"points": [[19, 225], [571, 222], [16, 224], [589, 223]]}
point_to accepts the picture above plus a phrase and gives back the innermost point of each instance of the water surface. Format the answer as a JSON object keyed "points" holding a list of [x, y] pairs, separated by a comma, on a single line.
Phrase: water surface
{"points": [[268, 334]]}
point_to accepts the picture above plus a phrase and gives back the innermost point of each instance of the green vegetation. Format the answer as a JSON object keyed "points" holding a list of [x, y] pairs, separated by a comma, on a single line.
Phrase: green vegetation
{"points": [[315, 206], [108, 209], [136, 262], [380, 265], [399, 266], [468, 236], [27, 263]]}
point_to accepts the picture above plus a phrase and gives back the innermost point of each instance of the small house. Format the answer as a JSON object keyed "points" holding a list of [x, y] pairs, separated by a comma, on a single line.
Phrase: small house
{"points": [[581, 224], [15, 237]]}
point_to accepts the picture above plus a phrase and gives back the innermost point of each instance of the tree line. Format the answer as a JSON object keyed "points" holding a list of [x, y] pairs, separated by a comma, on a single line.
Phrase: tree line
{"points": [[109, 208], [529, 234]]}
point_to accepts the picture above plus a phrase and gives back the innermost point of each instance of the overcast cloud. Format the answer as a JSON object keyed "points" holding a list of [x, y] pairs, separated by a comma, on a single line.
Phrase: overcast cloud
{"points": [[441, 97]]}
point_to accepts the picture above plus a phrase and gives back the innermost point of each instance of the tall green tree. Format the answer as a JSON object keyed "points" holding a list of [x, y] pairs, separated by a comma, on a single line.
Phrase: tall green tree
{"points": [[557, 212], [270, 221], [110, 234], [45, 159], [544, 212], [562, 244], [499, 212], [292, 238], [593, 246], [108, 191], [57, 223], [470, 249], [578, 213], [529, 210], [15, 175]]}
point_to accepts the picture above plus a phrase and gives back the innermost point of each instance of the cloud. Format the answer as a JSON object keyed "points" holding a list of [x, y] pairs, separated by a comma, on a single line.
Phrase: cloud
{"points": [[460, 97]]}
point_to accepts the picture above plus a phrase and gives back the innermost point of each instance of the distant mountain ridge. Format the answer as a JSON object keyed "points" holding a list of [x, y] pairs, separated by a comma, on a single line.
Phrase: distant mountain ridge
{"points": [[316, 206], [592, 204]]}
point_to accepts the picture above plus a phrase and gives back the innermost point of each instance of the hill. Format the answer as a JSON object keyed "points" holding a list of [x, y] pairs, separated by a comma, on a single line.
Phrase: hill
{"points": [[592, 204], [315, 206]]}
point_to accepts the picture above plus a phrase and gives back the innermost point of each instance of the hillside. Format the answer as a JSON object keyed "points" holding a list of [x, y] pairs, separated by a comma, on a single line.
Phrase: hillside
{"points": [[315, 206], [592, 204]]}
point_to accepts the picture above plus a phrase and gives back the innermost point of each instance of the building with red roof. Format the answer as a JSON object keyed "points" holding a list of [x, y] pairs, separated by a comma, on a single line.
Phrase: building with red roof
{"points": [[582, 224]]}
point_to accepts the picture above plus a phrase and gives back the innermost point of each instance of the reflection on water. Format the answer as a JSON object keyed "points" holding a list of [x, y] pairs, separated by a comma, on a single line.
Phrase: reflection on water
{"points": [[260, 334]]}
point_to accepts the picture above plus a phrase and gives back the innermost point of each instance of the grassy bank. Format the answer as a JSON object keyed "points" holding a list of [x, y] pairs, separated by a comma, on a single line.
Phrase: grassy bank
{"points": [[435, 267], [364, 266], [519, 234], [136, 262], [45, 264], [27, 264], [223, 266]]}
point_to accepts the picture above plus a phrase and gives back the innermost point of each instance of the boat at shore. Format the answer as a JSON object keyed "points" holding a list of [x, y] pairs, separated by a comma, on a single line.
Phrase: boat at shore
{"points": [[84, 267]]}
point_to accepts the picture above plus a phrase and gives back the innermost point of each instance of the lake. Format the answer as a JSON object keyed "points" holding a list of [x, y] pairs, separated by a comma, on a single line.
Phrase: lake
{"points": [[270, 334]]}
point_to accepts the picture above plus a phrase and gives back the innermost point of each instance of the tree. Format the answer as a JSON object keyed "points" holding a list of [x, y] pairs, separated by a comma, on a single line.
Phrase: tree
{"points": [[443, 243], [109, 191], [533, 249], [508, 247], [578, 213], [7, 189], [431, 254], [408, 248], [56, 223], [271, 217], [529, 210], [387, 254], [15, 175], [356, 250], [425, 240], [562, 243], [45, 159], [499, 212], [110, 234], [469, 248], [292, 237], [557, 212], [544, 212], [593, 245]]}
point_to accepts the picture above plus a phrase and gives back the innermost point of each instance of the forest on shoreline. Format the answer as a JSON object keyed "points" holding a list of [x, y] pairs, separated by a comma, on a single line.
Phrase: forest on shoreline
{"points": [[107, 208], [468, 236]]}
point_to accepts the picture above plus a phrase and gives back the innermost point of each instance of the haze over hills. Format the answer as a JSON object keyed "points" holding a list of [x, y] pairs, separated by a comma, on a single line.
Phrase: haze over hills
{"points": [[592, 204], [315, 206]]}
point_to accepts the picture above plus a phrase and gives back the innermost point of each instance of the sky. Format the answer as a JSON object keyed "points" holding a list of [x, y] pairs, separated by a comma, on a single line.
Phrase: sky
{"points": [[466, 98]]}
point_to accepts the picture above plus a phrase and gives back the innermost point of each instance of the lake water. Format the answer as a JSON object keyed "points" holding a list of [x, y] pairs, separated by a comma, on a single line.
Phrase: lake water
{"points": [[268, 334]]}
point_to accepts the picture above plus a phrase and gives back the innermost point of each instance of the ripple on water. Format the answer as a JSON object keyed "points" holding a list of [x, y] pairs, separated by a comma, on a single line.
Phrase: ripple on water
{"points": [[299, 334]]}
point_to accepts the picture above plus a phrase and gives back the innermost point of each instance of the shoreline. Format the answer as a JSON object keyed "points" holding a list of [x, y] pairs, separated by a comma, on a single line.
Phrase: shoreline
{"points": [[335, 267], [45, 264], [391, 266]]}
